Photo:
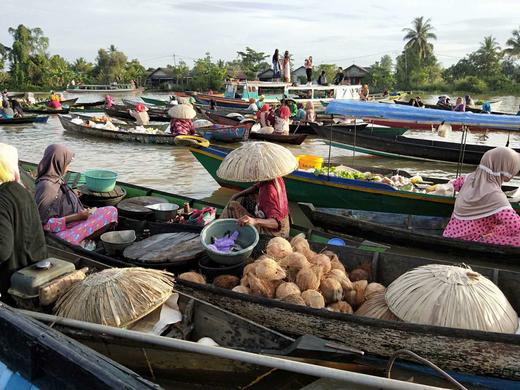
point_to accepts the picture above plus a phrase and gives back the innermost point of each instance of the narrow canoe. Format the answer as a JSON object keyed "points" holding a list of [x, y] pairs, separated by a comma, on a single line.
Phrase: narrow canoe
{"points": [[220, 101], [163, 138], [292, 139], [424, 232], [476, 110], [158, 115], [24, 120], [156, 102], [402, 146], [325, 191], [50, 360], [46, 110], [117, 122], [225, 133], [89, 104], [67, 102]]}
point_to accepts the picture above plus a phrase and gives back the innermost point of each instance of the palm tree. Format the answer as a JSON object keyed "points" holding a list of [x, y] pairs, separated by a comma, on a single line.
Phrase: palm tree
{"points": [[514, 44], [417, 37]]}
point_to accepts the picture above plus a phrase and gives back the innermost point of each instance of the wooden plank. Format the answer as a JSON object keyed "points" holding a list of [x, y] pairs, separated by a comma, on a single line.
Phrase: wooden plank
{"points": [[166, 248]]}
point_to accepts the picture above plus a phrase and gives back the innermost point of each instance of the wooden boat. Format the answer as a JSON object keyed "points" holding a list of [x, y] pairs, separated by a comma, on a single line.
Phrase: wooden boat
{"points": [[220, 101], [46, 110], [324, 191], [476, 110], [44, 358], [89, 104], [424, 232], [66, 102], [225, 133], [161, 138], [402, 146], [157, 115], [292, 139], [103, 88], [24, 120], [116, 121], [155, 102]]}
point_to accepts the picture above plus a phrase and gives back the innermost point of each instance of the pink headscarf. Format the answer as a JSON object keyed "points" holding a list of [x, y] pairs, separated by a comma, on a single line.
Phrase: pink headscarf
{"points": [[481, 195], [285, 112]]}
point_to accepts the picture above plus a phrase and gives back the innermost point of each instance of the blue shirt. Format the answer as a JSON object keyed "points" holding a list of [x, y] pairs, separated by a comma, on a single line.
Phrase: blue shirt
{"points": [[300, 115], [259, 104], [486, 107]]}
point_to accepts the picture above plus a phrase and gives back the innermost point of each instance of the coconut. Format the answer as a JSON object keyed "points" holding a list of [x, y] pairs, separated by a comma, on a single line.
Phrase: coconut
{"points": [[295, 299], [260, 287], [373, 288], [341, 277], [285, 289], [331, 290], [278, 248], [350, 297], [241, 289], [376, 307], [359, 287], [245, 281], [268, 269], [331, 255], [358, 274], [301, 245], [194, 277], [313, 299], [250, 268], [336, 264], [323, 261], [308, 279], [341, 307], [226, 281], [293, 264]]}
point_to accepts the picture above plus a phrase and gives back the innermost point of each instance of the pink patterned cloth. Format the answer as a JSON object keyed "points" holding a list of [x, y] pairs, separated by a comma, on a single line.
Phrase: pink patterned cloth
{"points": [[76, 232], [502, 228], [182, 127]]}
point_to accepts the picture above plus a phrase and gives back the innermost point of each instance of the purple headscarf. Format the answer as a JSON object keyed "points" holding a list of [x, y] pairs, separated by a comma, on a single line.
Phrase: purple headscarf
{"points": [[53, 197]]}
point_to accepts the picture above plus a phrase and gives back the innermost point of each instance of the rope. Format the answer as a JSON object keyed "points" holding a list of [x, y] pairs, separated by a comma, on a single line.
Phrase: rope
{"points": [[440, 371]]}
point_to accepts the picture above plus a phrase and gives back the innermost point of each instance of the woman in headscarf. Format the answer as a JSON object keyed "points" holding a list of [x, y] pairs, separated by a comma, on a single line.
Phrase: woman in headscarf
{"points": [[287, 67], [459, 105], [21, 240], [109, 101], [60, 209], [260, 102], [140, 115], [482, 211], [262, 116], [182, 119], [281, 124], [310, 113]]}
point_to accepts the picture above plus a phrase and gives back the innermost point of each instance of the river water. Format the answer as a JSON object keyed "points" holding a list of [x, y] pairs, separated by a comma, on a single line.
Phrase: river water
{"points": [[174, 169]]}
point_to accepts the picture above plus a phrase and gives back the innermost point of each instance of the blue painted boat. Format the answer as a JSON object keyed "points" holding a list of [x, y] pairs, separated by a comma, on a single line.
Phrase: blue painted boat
{"points": [[223, 133], [24, 120], [415, 117]]}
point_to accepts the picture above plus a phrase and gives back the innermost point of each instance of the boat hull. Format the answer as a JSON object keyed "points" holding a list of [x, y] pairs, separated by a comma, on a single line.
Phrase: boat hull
{"points": [[225, 133], [220, 101], [24, 120]]}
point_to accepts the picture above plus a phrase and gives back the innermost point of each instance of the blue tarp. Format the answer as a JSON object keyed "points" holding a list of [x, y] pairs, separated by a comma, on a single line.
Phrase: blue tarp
{"points": [[10, 380], [399, 112]]}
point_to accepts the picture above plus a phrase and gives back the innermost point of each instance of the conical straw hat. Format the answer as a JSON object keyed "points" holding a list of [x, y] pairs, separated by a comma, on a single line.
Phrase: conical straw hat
{"points": [[257, 161], [376, 307], [451, 296], [116, 296], [182, 111]]}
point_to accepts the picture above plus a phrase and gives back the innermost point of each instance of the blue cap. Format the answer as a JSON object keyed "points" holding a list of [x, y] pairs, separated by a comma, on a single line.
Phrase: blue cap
{"points": [[336, 241]]}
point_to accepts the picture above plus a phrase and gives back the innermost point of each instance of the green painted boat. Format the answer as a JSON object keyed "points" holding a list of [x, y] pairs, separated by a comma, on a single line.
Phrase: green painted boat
{"points": [[324, 191], [157, 102]]}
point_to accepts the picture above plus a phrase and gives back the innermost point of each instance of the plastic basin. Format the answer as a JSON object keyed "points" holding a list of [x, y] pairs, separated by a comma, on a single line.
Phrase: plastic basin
{"points": [[99, 180], [247, 238], [309, 162]]}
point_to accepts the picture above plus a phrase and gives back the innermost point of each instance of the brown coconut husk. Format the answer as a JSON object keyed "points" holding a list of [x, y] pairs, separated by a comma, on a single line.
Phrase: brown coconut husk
{"points": [[116, 297]]}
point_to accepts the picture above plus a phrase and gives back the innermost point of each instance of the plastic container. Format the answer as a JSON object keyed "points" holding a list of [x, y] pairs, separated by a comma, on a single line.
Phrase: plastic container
{"points": [[115, 242], [309, 162], [247, 238], [99, 180]]}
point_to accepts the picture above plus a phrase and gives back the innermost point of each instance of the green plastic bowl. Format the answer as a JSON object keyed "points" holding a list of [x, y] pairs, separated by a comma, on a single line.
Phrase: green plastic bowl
{"points": [[99, 180], [247, 238]]}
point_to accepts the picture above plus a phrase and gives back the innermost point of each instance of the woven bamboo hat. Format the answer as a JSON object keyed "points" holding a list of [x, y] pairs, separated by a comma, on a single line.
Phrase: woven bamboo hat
{"points": [[257, 161], [451, 296], [116, 297], [182, 111], [376, 307]]}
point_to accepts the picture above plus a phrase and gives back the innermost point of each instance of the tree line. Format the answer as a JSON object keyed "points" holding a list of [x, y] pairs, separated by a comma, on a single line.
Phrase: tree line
{"points": [[488, 69]]}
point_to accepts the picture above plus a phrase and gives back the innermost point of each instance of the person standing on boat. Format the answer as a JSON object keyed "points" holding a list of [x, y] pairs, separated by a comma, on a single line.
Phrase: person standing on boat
{"points": [[140, 115], [364, 93], [60, 209], [482, 211], [340, 76], [22, 241], [182, 119], [276, 65], [459, 105], [252, 105], [322, 80], [310, 113], [308, 69], [287, 67]]}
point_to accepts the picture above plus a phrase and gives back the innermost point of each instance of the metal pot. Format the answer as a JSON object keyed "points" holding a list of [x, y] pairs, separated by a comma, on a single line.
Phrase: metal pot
{"points": [[163, 212]]}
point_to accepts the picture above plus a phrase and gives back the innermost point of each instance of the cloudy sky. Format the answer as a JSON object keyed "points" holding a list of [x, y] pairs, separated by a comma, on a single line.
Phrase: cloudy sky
{"points": [[333, 31]]}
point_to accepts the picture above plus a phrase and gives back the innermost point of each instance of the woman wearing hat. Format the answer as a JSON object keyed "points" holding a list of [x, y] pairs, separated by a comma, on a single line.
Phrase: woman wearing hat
{"points": [[263, 205], [182, 119], [140, 115], [260, 102], [252, 105], [482, 211]]}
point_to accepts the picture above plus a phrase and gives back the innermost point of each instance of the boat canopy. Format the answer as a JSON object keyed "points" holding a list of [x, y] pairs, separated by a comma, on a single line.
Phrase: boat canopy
{"points": [[369, 110]]}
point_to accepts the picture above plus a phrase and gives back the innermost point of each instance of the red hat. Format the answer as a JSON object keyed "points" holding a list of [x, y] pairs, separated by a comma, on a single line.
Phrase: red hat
{"points": [[140, 107], [285, 112], [265, 108]]}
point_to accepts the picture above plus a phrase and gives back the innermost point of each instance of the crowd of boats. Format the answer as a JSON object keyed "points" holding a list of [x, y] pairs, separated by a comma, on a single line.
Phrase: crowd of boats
{"points": [[368, 217]]}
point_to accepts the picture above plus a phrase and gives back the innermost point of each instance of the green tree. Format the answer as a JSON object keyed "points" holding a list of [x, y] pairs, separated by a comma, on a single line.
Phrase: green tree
{"points": [[135, 71], [513, 44], [418, 37], [381, 74], [487, 58], [252, 62], [330, 72], [57, 73], [208, 75], [110, 65], [4, 54], [82, 70], [26, 43]]}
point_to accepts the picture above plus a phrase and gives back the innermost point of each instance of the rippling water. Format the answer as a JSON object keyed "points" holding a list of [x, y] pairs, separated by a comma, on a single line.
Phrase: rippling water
{"points": [[174, 169]]}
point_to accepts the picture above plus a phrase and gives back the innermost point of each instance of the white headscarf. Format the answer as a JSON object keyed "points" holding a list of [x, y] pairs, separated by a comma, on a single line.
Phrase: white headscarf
{"points": [[482, 195], [8, 164]]}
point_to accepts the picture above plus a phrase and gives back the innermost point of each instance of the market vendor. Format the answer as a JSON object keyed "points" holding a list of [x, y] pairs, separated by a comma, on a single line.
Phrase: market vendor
{"points": [[263, 205], [55, 101], [60, 209], [182, 119], [140, 114], [22, 241], [482, 211]]}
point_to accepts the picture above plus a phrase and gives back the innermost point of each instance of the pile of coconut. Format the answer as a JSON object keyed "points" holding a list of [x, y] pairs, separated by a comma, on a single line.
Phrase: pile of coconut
{"points": [[292, 272]]}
